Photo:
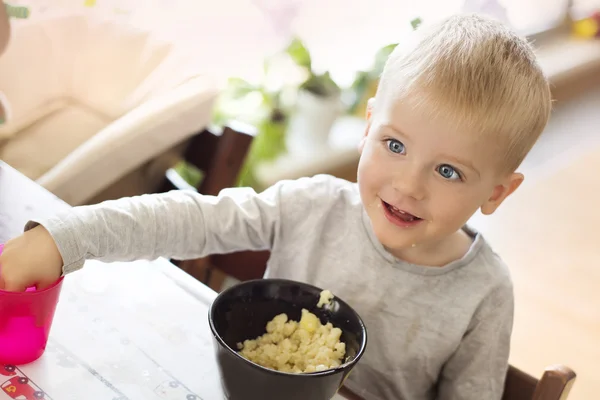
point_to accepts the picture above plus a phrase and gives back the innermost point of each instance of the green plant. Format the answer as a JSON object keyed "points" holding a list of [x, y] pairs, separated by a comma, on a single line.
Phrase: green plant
{"points": [[267, 145], [365, 82], [262, 105], [19, 12], [321, 85], [189, 173]]}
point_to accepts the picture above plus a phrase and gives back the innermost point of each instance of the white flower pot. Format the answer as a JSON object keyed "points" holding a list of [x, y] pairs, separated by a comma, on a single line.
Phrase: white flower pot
{"points": [[311, 123]]}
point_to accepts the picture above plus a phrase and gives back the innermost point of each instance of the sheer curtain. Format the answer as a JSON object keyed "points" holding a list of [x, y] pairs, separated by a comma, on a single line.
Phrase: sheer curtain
{"points": [[227, 37], [232, 37], [343, 35]]}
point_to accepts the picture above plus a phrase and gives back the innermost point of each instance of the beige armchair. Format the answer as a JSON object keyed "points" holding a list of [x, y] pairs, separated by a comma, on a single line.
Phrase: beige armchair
{"points": [[96, 107]]}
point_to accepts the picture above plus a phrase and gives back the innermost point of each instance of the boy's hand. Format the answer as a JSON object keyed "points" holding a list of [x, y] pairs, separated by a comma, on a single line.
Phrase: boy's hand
{"points": [[31, 259]]}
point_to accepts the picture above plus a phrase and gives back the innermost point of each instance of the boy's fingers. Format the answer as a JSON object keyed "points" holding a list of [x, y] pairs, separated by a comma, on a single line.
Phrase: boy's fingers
{"points": [[44, 285], [11, 286]]}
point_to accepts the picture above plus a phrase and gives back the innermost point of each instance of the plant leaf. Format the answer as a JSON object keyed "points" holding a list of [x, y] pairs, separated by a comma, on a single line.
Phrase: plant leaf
{"points": [[299, 53], [238, 87], [416, 22]]}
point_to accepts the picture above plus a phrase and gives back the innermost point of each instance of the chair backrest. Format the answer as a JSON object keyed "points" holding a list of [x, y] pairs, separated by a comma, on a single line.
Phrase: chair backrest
{"points": [[219, 156], [555, 384], [242, 265]]}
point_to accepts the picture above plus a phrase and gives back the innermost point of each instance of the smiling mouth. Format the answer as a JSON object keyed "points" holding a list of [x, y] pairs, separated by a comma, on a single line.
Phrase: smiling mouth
{"points": [[400, 217]]}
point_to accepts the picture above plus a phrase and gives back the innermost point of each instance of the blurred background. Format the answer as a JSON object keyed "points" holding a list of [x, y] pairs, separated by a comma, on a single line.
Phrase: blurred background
{"points": [[104, 98]]}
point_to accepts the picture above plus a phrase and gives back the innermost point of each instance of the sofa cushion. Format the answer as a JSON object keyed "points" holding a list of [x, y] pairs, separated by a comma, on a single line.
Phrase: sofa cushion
{"points": [[113, 65], [44, 143], [110, 67]]}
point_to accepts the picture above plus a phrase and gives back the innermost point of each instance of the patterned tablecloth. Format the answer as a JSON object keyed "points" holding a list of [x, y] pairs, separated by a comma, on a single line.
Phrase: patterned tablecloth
{"points": [[124, 331]]}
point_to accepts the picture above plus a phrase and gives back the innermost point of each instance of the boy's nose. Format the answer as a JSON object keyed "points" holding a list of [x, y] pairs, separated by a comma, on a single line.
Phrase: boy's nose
{"points": [[410, 184]]}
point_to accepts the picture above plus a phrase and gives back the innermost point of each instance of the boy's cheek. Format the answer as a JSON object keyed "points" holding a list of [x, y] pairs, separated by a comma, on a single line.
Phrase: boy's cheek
{"points": [[452, 203], [373, 173]]}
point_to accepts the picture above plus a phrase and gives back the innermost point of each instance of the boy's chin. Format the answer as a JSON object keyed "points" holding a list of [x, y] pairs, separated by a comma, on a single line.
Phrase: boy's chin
{"points": [[396, 244]]}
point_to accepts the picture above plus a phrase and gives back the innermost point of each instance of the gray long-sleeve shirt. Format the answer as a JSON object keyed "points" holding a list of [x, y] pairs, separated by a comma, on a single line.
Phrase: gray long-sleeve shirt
{"points": [[434, 332]]}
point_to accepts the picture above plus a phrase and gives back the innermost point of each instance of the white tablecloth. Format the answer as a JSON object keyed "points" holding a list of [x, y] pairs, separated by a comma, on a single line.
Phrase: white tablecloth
{"points": [[125, 331]]}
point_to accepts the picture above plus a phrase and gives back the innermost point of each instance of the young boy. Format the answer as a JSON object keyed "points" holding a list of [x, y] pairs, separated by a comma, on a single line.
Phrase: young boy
{"points": [[456, 112]]}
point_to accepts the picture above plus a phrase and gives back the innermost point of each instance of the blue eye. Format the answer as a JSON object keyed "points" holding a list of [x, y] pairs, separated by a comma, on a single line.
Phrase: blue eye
{"points": [[448, 172], [395, 146]]}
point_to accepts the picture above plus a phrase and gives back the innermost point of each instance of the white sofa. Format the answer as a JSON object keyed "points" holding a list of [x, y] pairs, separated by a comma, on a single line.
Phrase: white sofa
{"points": [[96, 105]]}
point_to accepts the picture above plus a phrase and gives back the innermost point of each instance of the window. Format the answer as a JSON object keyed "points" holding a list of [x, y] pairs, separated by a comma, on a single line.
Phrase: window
{"points": [[583, 8], [343, 35]]}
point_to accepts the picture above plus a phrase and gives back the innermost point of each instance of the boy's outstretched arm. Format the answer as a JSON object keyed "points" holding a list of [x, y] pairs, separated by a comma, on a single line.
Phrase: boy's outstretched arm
{"points": [[178, 224], [477, 370]]}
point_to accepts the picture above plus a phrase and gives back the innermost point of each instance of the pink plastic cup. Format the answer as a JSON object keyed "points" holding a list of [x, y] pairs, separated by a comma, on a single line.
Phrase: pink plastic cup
{"points": [[25, 322]]}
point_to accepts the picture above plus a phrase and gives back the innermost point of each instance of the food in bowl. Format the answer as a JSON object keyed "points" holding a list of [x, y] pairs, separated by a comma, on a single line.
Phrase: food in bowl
{"points": [[325, 298], [303, 346]]}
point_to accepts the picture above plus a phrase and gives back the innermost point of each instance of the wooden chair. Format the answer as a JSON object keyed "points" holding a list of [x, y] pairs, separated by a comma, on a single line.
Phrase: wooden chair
{"points": [[219, 155], [243, 266], [555, 384]]}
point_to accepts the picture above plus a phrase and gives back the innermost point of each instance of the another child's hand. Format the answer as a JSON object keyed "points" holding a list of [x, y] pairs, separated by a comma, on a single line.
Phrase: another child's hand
{"points": [[31, 259]]}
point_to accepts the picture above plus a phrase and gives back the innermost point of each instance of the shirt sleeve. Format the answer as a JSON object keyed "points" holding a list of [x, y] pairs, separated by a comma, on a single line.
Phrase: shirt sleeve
{"points": [[178, 224], [477, 370]]}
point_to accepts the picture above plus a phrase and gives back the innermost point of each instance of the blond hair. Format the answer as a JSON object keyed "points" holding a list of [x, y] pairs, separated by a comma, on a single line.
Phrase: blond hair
{"points": [[478, 74]]}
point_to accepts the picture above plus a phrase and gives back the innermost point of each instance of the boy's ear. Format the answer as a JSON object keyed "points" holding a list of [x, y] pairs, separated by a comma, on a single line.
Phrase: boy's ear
{"points": [[368, 115], [369, 111], [501, 192]]}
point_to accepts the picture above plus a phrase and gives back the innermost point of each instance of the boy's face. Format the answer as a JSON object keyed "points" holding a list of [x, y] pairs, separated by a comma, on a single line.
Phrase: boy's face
{"points": [[421, 180]]}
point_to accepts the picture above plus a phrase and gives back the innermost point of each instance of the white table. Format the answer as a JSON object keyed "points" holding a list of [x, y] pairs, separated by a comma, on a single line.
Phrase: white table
{"points": [[128, 331]]}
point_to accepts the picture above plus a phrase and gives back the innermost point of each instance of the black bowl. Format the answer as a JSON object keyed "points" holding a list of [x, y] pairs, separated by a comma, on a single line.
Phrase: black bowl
{"points": [[242, 312]]}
